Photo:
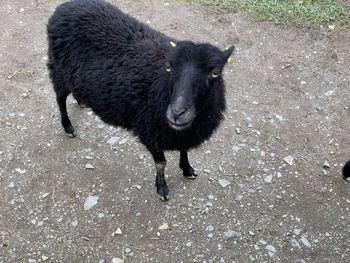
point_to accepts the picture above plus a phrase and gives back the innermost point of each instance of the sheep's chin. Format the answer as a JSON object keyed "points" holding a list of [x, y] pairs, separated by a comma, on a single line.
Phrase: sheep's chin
{"points": [[180, 127]]}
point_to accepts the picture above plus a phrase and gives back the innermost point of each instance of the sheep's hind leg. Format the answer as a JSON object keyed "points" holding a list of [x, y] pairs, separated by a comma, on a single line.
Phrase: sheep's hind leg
{"points": [[67, 125], [160, 163], [187, 169]]}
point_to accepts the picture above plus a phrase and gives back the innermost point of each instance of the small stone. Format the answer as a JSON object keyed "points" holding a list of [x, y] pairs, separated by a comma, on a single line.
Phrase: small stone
{"points": [[138, 187], [327, 234], [210, 235], [128, 250], [289, 159], [211, 197], [268, 179], [207, 171], [236, 148], [209, 228], [209, 204], [224, 183], [279, 175], [31, 260], [329, 93], [89, 166], [74, 223], [331, 27], [21, 171], [271, 250], [25, 95], [297, 231], [101, 261], [231, 234], [45, 195], [118, 231], [262, 242], [238, 131], [123, 141], [165, 226], [251, 233], [11, 184], [90, 202], [326, 165], [44, 258], [305, 241], [239, 197], [188, 244], [294, 243], [117, 260], [279, 117], [112, 140]]}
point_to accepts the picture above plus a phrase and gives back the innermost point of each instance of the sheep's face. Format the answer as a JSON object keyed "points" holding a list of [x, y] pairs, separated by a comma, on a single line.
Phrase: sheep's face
{"points": [[194, 71]]}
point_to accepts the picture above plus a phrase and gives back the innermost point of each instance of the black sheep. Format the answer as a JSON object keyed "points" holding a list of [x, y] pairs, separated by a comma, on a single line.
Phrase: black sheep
{"points": [[170, 94]]}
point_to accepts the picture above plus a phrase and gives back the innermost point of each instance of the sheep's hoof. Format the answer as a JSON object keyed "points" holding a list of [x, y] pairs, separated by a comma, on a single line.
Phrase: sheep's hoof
{"points": [[71, 133], [81, 105], [189, 174], [163, 191]]}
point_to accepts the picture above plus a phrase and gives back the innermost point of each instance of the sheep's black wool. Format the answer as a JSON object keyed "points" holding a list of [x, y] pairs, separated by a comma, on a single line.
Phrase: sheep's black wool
{"points": [[168, 93]]}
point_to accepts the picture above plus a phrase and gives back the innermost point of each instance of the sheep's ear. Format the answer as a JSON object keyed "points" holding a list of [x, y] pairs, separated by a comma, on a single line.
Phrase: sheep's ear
{"points": [[227, 54]]}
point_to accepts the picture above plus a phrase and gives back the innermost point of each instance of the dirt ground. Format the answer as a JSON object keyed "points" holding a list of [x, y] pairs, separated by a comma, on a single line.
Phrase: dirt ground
{"points": [[288, 111]]}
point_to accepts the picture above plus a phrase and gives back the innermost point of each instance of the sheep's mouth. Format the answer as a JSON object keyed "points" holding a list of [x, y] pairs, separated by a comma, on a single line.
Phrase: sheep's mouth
{"points": [[180, 126]]}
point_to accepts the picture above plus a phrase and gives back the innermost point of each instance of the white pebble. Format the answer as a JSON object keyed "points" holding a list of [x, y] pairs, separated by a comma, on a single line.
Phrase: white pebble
{"points": [[224, 183], [89, 166], [112, 140], [117, 260], [123, 141], [165, 226], [271, 250], [119, 231], [268, 179], [289, 159], [305, 241], [21, 171], [231, 233], [90, 202]]}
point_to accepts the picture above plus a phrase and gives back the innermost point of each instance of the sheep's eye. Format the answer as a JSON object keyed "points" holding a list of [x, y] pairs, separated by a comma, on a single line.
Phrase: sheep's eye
{"points": [[214, 74], [167, 67]]}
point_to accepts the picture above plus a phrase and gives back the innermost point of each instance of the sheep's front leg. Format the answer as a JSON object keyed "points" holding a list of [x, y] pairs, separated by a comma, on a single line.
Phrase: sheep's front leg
{"points": [[160, 162], [187, 169]]}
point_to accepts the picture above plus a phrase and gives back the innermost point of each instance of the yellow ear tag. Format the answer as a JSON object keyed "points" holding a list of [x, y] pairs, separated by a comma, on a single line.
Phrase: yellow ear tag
{"points": [[229, 60], [173, 44]]}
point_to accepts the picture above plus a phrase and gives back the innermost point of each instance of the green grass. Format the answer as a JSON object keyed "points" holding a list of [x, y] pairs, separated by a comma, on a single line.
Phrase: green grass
{"points": [[290, 11]]}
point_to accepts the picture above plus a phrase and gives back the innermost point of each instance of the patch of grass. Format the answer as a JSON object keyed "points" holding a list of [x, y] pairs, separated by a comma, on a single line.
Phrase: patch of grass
{"points": [[291, 11]]}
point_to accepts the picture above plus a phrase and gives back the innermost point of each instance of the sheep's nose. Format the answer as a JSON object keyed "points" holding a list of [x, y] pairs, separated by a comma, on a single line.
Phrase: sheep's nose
{"points": [[177, 112]]}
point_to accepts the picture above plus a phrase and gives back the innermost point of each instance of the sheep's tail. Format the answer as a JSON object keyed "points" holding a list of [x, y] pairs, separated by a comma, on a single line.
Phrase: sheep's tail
{"points": [[346, 171]]}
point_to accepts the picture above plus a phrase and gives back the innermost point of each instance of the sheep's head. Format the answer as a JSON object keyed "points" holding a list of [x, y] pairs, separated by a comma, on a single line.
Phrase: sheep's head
{"points": [[194, 71]]}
